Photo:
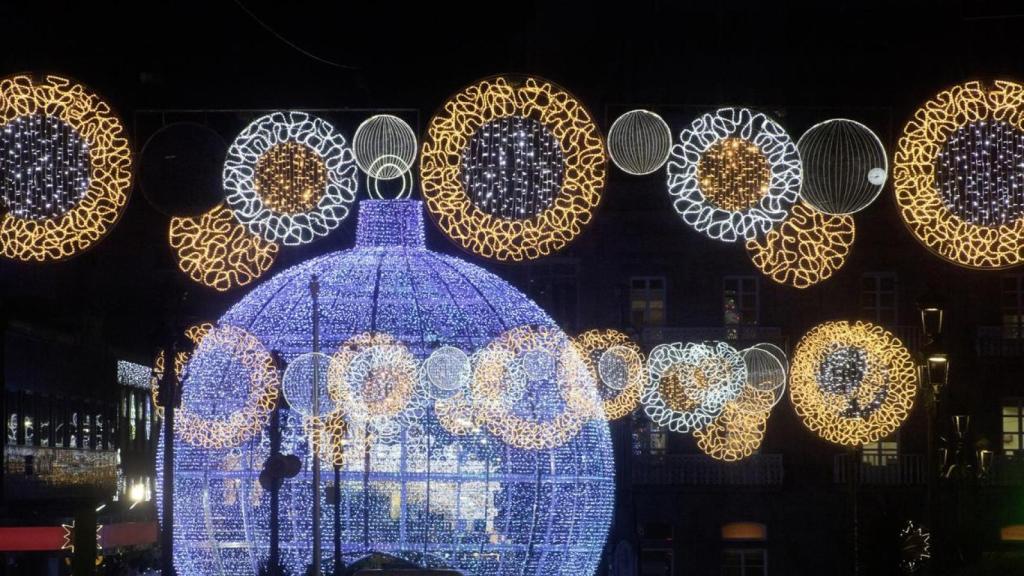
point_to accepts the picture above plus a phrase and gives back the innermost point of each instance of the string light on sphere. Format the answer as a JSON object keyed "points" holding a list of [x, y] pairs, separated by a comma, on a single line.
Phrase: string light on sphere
{"points": [[639, 142], [765, 373], [621, 369], [958, 174], [734, 174], [384, 146], [372, 375], [447, 370], [690, 384], [775, 351], [844, 166], [65, 168], [298, 381], [529, 173], [806, 249], [290, 178]]}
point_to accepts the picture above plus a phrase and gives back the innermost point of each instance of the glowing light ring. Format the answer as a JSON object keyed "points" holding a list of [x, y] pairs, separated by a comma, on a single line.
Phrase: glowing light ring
{"points": [[384, 146], [251, 208], [844, 166], [373, 187], [774, 350], [372, 359], [808, 248], [194, 334], [922, 206], [639, 142], [89, 219], [216, 251], [621, 402], [852, 383], [536, 235], [778, 150], [723, 377], [739, 430], [234, 428]]}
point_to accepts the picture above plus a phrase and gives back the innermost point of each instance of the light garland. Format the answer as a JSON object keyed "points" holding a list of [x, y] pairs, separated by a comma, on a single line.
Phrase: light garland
{"points": [[216, 251], [806, 249], [65, 168], [639, 142], [620, 366], [844, 166], [734, 174], [738, 431], [957, 175], [384, 146], [915, 547], [690, 384], [290, 177], [193, 334], [512, 170], [852, 383], [765, 373]]}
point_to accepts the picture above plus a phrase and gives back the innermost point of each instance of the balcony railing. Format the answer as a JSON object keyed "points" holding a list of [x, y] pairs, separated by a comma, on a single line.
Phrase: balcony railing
{"points": [[700, 470], [653, 335], [906, 470], [996, 341]]}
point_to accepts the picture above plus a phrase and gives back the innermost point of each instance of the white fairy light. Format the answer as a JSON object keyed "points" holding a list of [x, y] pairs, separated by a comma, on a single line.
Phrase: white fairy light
{"points": [[639, 142], [384, 146], [44, 167], [765, 372], [844, 166], [447, 370], [690, 384], [298, 383]]}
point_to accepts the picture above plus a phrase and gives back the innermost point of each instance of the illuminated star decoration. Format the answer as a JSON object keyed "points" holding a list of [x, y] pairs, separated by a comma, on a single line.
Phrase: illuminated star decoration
{"points": [[512, 170], [290, 178], [958, 178], [65, 168], [844, 166], [734, 174], [852, 383], [915, 547], [690, 383], [808, 248]]}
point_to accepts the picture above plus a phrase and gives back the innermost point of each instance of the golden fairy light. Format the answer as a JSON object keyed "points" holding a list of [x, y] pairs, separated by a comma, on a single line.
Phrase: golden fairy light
{"points": [[372, 375], [193, 334], [733, 174], [808, 248], [739, 430], [290, 178], [620, 368]]}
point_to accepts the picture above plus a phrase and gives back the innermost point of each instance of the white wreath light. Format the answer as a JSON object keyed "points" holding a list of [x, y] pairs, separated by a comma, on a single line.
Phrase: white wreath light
{"points": [[722, 375], [639, 142], [774, 164], [306, 134], [844, 166]]}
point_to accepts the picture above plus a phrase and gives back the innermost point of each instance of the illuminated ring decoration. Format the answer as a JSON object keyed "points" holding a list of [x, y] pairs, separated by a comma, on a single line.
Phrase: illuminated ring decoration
{"points": [[554, 425], [216, 251], [373, 187], [844, 166], [734, 174], [774, 350], [57, 216], [377, 363], [968, 136], [852, 383], [264, 386], [616, 400], [384, 146], [808, 248], [297, 384], [331, 434], [690, 383], [639, 142], [308, 171], [739, 430], [193, 334], [446, 371], [765, 373], [559, 197]]}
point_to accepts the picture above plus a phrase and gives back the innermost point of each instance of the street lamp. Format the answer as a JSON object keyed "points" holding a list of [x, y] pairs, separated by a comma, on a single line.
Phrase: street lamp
{"points": [[936, 371], [931, 306]]}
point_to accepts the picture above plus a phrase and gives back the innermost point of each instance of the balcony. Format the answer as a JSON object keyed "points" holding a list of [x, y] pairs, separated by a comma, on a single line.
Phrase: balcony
{"points": [[993, 342], [906, 470], [742, 335], [700, 470]]}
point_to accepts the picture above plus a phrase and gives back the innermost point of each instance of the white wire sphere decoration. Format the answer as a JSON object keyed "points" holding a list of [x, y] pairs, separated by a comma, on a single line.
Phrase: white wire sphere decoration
{"points": [[639, 142], [538, 364], [447, 370], [844, 166], [779, 353], [384, 146], [614, 365], [765, 372], [298, 379]]}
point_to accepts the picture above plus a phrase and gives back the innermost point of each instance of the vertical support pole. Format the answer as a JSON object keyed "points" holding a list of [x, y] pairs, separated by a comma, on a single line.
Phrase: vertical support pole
{"points": [[339, 562], [170, 394], [314, 292], [274, 562], [853, 480], [83, 561]]}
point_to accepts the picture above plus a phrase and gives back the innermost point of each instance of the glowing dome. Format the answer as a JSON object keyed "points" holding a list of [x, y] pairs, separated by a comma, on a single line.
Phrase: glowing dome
{"points": [[467, 502]]}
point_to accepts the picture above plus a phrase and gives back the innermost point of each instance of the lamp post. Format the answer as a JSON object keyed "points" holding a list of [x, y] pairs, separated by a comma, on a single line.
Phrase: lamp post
{"points": [[934, 375]]}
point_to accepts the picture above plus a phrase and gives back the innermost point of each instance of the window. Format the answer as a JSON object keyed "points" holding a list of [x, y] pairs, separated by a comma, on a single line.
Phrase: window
{"points": [[554, 286], [647, 301], [745, 562], [1013, 427], [878, 298], [739, 302], [882, 453], [649, 439], [1013, 306], [655, 562]]}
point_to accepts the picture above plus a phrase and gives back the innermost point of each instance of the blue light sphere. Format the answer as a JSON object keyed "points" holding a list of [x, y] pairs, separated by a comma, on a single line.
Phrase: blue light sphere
{"points": [[468, 502]]}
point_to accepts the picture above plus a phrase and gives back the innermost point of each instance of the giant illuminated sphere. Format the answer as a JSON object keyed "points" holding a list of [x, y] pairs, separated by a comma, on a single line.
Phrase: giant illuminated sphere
{"points": [[470, 502], [845, 166]]}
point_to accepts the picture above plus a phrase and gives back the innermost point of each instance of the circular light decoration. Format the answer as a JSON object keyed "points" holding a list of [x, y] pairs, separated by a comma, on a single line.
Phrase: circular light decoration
{"points": [[621, 369], [739, 430], [180, 169], [639, 142], [216, 251], [844, 166], [774, 350], [211, 414], [193, 334], [65, 168], [298, 380], [852, 383], [482, 490], [804, 250], [690, 384], [734, 174], [384, 146], [512, 170], [290, 177], [372, 375], [958, 175], [765, 373], [447, 370]]}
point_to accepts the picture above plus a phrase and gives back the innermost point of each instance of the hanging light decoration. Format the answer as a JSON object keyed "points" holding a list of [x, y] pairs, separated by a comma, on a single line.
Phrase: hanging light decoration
{"points": [[373, 376], [690, 383], [621, 369], [65, 168], [384, 146], [529, 172], [765, 373], [446, 371], [734, 174], [806, 249], [303, 374], [844, 166], [738, 431], [958, 175], [193, 334], [639, 142]]}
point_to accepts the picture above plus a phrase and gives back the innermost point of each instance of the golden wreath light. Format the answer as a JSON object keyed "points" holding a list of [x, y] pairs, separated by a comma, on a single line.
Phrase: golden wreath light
{"points": [[615, 402], [193, 334], [264, 388], [375, 363], [852, 383], [552, 223], [928, 213], [457, 414], [805, 249], [690, 383], [739, 430], [216, 251], [331, 435], [90, 218]]}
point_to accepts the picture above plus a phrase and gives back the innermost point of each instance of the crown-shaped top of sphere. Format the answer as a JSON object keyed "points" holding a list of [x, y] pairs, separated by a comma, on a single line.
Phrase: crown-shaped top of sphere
{"points": [[390, 223]]}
